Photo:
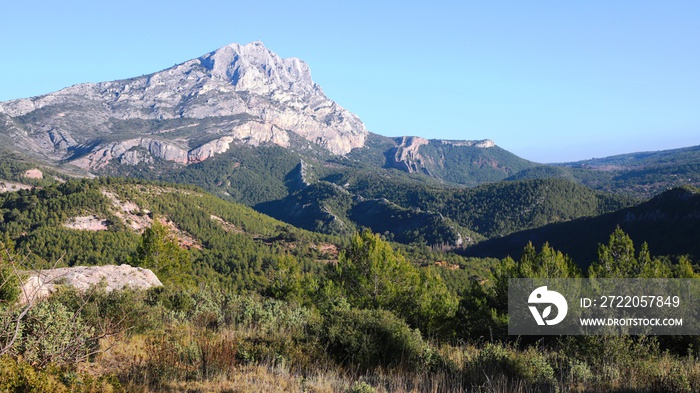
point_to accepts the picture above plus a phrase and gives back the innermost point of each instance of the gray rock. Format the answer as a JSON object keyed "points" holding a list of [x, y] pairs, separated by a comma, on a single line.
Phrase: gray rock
{"points": [[42, 283], [236, 94]]}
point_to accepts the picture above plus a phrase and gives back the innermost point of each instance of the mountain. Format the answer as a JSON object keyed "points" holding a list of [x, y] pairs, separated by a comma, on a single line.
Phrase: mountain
{"points": [[639, 160], [251, 127], [240, 122], [185, 114], [643, 174], [669, 223], [234, 96], [462, 162]]}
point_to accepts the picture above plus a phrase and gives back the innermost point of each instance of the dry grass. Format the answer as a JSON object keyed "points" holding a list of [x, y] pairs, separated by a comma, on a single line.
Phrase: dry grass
{"points": [[130, 358]]}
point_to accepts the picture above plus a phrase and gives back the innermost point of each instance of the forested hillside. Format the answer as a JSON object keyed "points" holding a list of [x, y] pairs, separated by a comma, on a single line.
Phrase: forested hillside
{"points": [[43, 221], [639, 175], [668, 223], [499, 208], [250, 304], [331, 195]]}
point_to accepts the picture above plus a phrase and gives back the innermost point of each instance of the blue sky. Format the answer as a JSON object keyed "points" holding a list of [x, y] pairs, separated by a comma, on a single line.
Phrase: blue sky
{"points": [[550, 81]]}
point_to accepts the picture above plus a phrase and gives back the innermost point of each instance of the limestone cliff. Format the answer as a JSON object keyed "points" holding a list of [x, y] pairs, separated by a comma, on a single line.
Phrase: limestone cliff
{"points": [[410, 153], [187, 113]]}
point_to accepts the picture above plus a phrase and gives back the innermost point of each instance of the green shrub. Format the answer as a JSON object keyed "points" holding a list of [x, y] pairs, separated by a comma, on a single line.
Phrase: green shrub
{"points": [[9, 284], [20, 376], [492, 360], [268, 316], [370, 338], [362, 387], [497, 362], [579, 372], [532, 366], [51, 333], [672, 381], [16, 376], [125, 310]]}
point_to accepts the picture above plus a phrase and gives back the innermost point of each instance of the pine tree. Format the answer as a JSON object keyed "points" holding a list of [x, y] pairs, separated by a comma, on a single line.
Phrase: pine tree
{"points": [[616, 259], [160, 253]]}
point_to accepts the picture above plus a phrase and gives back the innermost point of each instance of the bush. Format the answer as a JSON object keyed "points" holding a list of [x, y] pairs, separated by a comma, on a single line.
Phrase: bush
{"points": [[112, 312], [370, 338], [362, 387], [673, 381], [51, 333], [579, 372], [268, 316], [533, 367], [492, 360], [496, 362], [9, 284], [20, 376]]}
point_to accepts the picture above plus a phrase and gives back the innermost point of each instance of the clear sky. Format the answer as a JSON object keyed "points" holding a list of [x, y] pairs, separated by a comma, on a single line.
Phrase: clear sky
{"points": [[550, 81]]}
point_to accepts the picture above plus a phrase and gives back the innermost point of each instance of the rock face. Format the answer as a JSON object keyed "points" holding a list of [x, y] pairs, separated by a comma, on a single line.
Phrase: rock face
{"points": [[44, 282], [187, 113], [407, 154]]}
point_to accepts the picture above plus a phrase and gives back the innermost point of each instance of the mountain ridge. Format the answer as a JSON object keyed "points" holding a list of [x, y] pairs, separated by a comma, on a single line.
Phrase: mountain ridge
{"points": [[240, 121], [243, 94], [232, 85], [667, 222]]}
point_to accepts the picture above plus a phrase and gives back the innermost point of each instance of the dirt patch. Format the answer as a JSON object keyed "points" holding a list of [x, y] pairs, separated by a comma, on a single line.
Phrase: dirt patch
{"points": [[446, 265], [9, 186], [227, 226], [130, 213], [87, 223], [331, 250], [184, 239], [33, 174]]}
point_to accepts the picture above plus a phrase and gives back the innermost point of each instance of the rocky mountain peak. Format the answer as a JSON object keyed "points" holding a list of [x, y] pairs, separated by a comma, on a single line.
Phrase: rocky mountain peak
{"points": [[253, 67], [238, 94]]}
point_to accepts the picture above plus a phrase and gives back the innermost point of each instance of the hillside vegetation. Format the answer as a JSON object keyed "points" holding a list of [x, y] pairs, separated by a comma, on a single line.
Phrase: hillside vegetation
{"points": [[330, 195], [499, 208], [668, 223], [372, 321], [299, 252], [639, 175]]}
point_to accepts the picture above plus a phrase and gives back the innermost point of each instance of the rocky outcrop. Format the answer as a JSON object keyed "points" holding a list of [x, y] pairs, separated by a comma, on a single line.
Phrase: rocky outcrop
{"points": [[135, 151], [482, 144], [253, 133], [87, 223], [409, 155], [406, 156], [42, 283], [241, 94], [33, 174], [124, 151]]}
